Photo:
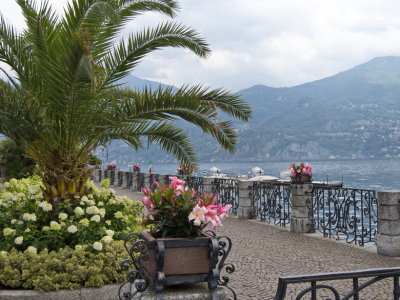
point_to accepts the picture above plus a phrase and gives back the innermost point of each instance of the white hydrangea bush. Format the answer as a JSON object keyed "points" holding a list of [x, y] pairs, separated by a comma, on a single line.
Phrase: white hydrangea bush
{"points": [[28, 222]]}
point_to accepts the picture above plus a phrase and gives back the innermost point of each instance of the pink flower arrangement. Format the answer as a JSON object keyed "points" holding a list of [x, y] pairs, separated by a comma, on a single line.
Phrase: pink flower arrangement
{"points": [[111, 166], [296, 171], [177, 211]]}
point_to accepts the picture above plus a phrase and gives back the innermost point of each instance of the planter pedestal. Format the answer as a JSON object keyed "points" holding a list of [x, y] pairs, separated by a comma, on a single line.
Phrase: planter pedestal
{"points": [[198, 291], [160, 263]]}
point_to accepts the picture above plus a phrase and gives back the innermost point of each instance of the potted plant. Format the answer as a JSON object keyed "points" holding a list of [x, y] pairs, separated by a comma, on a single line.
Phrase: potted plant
{"points": [[300, 173], [111, 166], [180, 246], [186, 169], [136, 168]]}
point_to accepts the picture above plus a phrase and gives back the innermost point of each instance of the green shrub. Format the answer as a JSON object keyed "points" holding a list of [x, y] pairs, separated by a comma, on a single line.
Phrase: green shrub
{"points": [[93, 220], [78, 243], [62, 269]]}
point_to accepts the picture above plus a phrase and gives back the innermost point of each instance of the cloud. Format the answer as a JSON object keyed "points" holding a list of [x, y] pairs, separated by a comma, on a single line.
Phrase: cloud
{"points": [[276, 43]]}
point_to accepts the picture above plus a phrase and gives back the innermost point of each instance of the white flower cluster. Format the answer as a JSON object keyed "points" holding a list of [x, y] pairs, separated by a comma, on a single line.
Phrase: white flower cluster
{"points": [[29, 217], [46, 206]]}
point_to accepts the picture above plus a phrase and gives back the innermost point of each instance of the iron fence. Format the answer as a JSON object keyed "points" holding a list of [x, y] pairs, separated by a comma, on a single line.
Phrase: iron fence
{"points": [[120, 178], [326, 283], [348, 213], [129, 180], [271, 202], [228, 192], [196, 183]]}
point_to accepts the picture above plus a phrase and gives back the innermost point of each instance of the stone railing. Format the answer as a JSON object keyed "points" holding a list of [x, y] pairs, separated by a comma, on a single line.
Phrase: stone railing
{"points": [[358, 216]]}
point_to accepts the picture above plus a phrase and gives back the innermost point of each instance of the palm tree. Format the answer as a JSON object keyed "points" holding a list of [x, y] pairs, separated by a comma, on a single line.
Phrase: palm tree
{"points": [[64, 97]]}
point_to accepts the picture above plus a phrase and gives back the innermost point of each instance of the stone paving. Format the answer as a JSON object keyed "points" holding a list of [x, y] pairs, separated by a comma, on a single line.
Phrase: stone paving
{"points": [[262, 253]]}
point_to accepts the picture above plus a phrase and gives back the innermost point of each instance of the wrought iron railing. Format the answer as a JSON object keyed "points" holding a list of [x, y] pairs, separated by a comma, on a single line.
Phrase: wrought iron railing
{"points": [[120, 178], [322, 282], [196, 183], [272, 202], [112, 177], [129, 180], [346, 213], [228, 192]]}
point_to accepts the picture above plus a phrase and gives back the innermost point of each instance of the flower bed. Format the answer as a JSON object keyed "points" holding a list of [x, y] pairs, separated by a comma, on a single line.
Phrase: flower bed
{"points": [[78, 243]]}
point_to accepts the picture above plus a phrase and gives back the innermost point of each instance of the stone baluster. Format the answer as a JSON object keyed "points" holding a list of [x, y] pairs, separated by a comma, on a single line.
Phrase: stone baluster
{"points": [[388, 239], [302, 218], [246, 206], [208, 185]]}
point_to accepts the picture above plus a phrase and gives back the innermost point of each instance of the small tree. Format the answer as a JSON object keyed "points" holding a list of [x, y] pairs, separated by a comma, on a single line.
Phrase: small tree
{"points": [[63, 98]]}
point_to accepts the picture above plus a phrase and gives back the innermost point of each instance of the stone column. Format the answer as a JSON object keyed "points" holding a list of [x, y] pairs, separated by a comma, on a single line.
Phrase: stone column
{"points": [[134, 181], [96, 175], [124, 182], [388, 239], [302, 218], [246, 203], [208, 185], [147, 180]]}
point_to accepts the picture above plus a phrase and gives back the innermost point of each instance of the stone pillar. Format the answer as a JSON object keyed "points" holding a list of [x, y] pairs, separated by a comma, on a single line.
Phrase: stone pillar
{"points": [[147, 180], [124, 182], [96, 175], [246, 203], [208, 185], [134, 181], [388, 239], [302, 218]]}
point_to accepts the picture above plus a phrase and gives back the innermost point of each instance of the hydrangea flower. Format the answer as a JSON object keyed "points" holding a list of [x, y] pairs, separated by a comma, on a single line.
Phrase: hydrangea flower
{"points": [[79, 211], [84, 222], [62, 216], [72, 229], [32, 249], [55, 226], [8, 231], [19, 240], [95, 218], [98, 246]]}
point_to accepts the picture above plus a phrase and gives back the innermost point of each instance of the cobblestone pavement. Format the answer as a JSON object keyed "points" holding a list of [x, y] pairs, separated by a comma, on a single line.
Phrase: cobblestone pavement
{"points": [[262, 253]]}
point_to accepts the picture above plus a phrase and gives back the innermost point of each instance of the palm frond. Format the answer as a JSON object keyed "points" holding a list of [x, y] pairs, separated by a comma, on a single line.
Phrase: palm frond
{"points": [[128, 54]]}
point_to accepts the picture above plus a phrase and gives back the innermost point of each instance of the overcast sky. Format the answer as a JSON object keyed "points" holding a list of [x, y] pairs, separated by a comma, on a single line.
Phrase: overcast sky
{"points": [[272, 42]]}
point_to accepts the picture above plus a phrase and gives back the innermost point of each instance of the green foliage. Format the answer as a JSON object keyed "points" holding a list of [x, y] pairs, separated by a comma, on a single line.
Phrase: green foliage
{"points": [[15, 160], [64, 268], [91, 221], [94, 160]]}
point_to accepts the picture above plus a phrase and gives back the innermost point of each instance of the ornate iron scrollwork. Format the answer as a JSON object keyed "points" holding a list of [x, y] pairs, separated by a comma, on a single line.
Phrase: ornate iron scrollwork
{"points": [[272, 202], [139, 252], [228, 192], [196, 183], [136, 280], [348, 213]]}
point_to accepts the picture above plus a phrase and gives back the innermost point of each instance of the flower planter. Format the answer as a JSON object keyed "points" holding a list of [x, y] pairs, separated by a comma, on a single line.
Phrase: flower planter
{"points": [[301, 179], [170, 261]]}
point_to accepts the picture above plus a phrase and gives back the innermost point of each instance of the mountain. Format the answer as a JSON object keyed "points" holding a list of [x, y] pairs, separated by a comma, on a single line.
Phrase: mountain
{"points": [[353, 114]]}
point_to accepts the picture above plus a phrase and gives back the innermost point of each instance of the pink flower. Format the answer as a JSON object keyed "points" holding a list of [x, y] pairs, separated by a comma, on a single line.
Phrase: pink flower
{"points": [[146, 191], [212, 219], [147, 203], [176, 183], [197, 215]]}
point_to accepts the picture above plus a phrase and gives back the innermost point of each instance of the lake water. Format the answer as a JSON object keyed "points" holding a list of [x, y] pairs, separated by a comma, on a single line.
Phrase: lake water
{"points": [[375, 174]]}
